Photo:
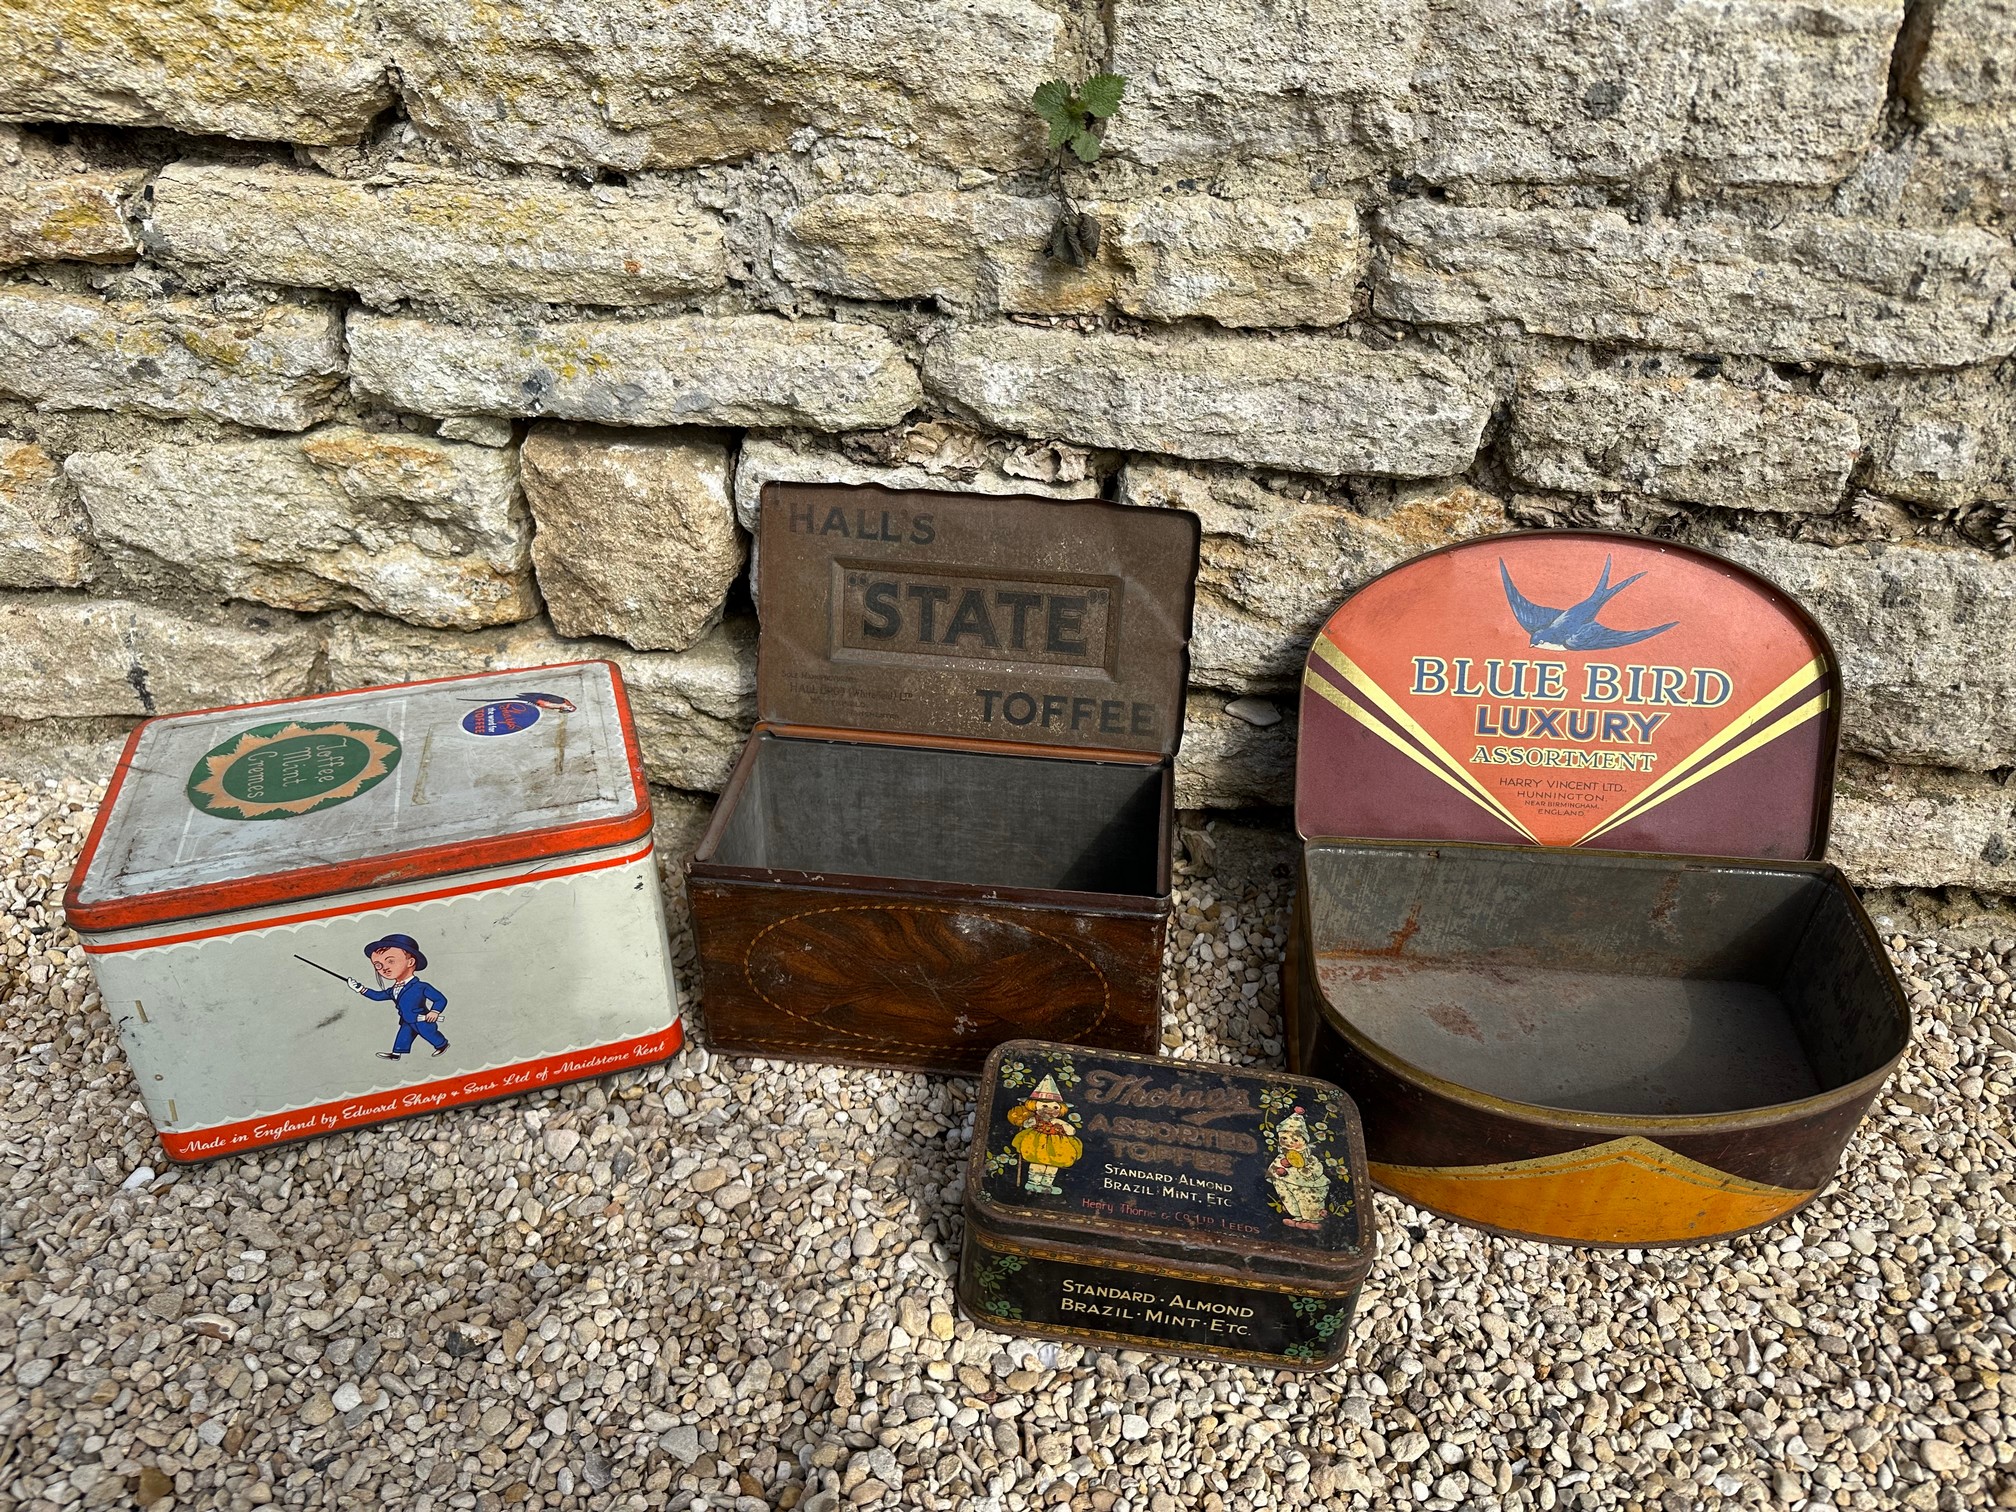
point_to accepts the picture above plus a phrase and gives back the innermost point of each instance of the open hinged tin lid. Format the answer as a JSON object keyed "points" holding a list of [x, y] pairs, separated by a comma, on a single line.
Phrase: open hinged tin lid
{"points": [[1195, 1163], [268, 803], [1571, 688], [973, 616]]}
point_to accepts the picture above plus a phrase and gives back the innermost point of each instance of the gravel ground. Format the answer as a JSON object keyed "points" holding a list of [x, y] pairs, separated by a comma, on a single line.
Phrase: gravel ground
{"points": [[727, 1284]]}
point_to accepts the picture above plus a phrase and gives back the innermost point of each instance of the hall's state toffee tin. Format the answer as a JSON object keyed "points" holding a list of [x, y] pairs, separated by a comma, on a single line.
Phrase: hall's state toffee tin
{"points": [[954, 821], [1161, 1204], [330, 911]]}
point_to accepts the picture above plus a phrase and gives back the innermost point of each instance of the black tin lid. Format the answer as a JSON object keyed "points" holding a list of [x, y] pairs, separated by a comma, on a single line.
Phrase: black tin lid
{"points": [[1215, 1166], [1007, 619]]}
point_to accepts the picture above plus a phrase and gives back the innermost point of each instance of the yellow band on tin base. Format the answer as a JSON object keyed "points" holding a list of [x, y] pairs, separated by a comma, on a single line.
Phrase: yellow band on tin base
{"points": [[1624, 1191]]}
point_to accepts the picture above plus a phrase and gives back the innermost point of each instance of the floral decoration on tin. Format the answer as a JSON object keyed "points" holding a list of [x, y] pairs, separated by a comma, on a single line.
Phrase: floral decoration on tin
{"points": [[1322, 1320], [991, 1274], [1309, 1175]]}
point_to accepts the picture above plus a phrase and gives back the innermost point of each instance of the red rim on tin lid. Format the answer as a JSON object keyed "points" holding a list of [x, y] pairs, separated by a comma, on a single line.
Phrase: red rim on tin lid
{"points": [[224, 809], [1571, 689]]}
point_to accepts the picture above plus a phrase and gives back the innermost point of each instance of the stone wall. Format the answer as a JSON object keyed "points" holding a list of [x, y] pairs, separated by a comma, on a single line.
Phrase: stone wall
{"points": [[353, 340]]}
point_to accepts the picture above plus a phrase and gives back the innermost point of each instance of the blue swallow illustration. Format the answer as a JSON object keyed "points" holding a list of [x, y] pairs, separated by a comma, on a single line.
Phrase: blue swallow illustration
{"points": [[1576, 629]]}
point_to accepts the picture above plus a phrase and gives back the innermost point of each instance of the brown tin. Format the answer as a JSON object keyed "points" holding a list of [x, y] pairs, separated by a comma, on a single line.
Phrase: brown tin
{"points": [[952, 825], [1160, 1204], [1562, 928]]}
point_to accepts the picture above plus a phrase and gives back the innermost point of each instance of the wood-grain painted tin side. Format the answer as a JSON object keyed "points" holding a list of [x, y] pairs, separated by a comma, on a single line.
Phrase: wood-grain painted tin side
{"points": [[922, 976]]}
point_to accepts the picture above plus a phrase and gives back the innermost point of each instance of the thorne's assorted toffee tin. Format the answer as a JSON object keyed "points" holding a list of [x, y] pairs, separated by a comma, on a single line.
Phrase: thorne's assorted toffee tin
{"points": [[953, 823], [331, 911], [1563, 929], [1159, 1204]]}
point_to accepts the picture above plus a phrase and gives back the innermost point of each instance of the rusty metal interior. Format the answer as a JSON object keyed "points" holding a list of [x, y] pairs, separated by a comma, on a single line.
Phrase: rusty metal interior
{"points": [[935, 815], [1601, 983]]}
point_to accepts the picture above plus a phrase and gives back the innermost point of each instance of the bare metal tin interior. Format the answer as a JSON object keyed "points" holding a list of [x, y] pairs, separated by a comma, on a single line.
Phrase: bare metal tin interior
{"points": [[1574, 1039]]}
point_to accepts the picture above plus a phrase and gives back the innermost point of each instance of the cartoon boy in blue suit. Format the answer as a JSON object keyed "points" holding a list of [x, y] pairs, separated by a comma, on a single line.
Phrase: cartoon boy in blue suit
{"points": [[396, 958]]}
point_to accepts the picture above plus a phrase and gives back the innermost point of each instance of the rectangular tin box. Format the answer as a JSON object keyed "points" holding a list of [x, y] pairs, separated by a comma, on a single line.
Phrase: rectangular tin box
{"points": [[1562, 929], [953, 823], [1160, 1204], [330, 911]]}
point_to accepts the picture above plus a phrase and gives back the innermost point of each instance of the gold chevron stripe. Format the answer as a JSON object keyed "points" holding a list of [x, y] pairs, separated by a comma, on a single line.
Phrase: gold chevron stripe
{"points": [[1797, 717], [1440, 761], [1394, 739], [1671, 784]]}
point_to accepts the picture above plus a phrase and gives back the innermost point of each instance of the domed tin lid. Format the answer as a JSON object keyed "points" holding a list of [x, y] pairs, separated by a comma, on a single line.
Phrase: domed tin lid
{"points": [[1571, 688], [1212, 1167]]}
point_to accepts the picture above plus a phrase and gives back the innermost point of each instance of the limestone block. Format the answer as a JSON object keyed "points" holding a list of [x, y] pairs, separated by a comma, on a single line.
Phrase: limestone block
{"points": [[1906, 826], [40, 545], [677, 370], [1926, 637], [1226, 762], [55, 208], [427, 530], [636, 84], [693, 708], [275, 366], [1808, 288], [426, 234], [1698, 441], [1319, 83], [1304, 403], [1966, 73], [306, 71], [1273, 567], [1241, 262], [1943, 439], [636, 534], [980, 251], [66, 655], [1728, 91], [35, 751]]}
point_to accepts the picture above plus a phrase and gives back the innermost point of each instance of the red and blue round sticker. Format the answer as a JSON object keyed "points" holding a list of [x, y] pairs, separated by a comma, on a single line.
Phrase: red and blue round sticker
{"points": [[508, 716]]}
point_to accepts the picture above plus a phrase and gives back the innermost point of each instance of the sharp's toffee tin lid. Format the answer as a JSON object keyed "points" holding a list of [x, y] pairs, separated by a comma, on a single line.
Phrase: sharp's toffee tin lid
{"points": [[1207, 1165], [245, 807], [1571, 688]]}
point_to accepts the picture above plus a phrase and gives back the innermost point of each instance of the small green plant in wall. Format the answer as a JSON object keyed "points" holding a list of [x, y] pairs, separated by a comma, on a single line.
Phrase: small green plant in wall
{"points": [[1077, 120]]}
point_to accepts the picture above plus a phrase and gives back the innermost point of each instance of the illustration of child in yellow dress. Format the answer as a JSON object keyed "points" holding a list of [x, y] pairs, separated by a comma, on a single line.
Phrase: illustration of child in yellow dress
{"points": [[1297, 1175], [1048, 1141]]}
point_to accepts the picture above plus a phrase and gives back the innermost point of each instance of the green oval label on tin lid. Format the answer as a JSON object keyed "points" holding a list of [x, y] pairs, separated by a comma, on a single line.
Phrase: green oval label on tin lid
{"points": [[288, 768]]}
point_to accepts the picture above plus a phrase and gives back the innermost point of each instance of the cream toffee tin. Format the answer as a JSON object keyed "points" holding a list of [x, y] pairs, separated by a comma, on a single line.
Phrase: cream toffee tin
{"points": [[331, 911]]}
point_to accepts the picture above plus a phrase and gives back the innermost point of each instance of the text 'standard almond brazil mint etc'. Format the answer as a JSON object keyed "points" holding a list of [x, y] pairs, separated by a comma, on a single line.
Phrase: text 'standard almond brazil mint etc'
{"points": [[1162, 1204], [953, 823], [331, 911], [1563, 929]]}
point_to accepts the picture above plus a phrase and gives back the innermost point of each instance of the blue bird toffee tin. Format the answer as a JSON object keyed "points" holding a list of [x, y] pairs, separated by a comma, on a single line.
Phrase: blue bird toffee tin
{"points": [[1157, 1204]]}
